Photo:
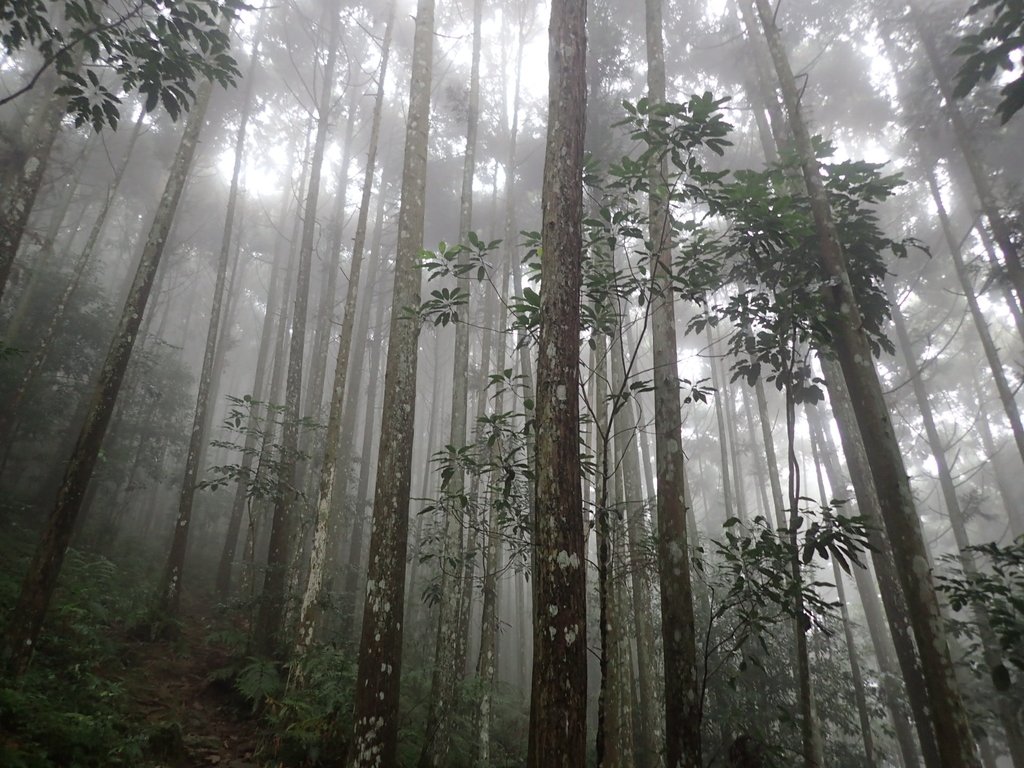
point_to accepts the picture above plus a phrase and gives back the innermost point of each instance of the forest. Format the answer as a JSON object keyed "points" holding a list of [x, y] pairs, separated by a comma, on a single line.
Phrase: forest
{"points": [[541, 383]]}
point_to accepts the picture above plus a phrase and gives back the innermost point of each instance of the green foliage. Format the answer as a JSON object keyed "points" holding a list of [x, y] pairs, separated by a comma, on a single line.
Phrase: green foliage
{"points": [[770, 250], [257, 427], [496, 465], [71, 709], [453, 263], [101, 50], [989, 52], [305, 720], [747, 682], [757, 563], [998, 589]]}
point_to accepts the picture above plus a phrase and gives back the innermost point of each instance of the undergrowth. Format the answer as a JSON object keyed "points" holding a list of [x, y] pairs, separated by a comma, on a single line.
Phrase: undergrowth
{"points": [[69, 709]]}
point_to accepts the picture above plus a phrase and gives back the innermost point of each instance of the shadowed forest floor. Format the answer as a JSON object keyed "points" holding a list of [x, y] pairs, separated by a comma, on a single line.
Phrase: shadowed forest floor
{"points": [[182, 701], [102, 692], [111, 685]]}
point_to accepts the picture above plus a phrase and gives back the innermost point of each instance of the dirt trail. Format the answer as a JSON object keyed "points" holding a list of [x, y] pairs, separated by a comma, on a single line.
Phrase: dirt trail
{"points": [[195, 722]]}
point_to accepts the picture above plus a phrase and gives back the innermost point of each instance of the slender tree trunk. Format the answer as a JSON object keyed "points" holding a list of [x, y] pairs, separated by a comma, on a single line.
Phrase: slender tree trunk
{"points": [[43, 259], [632, 504], [873, 613], [1006, 710], [324, 325], [487, 660], [37, 587], [362, 503], [269, 623], [447, 666], [889, 588], [323, 526], [558, 706], [599, 358], [723, 432], [1013, 512], [952, 728], [729, 402], [682, 702], [8, 417], [851, 647], [997, 223], [810, 734], [17, 202], [375, 737], [249, 447], [621, 723], [1006, 395], [169, 591]]}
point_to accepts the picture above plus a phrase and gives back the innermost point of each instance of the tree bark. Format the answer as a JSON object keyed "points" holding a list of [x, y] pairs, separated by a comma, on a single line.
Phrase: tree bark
{"points": [[1006, 395], [270, 619], [323, 525], [952, 728], [682, 702], [17, 203], [632, 504], [40, 581], [859, 694], [558, 727], [447, 666], [9, 415], [981, 178], [169, 591], [375, 737], [873, 613], [991, 653]]}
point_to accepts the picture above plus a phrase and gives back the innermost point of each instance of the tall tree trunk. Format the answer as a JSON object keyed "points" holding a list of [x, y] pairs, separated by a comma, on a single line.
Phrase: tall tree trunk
{"points": [[1006, 395], [952, 728], [323, 525], [682, 702], [810, 728], [275, 298], [324, 326], [362, 503], [486, 667], [723, 432], [859, 695], [606, 752], [997, 223], [169, 590], [1006, 710], [269, 623], [17, 202], [889, 587], [39, 582], [9, 414], [1013, 512], [873, 613], [447, 661], [375, 737], [558, 703], [632, 503]]}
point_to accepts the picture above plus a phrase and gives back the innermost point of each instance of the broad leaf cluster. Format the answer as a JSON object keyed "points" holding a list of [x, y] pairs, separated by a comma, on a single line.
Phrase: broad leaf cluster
{"points": [[989, 52], [101, 50]]}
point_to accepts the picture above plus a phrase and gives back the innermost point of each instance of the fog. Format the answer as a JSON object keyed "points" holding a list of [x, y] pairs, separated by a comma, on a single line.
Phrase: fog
{"points": [[369, 399]]}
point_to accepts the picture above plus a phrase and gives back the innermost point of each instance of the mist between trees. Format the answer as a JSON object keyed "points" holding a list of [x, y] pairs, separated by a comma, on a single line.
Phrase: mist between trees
{"points": [[532, 383]]}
